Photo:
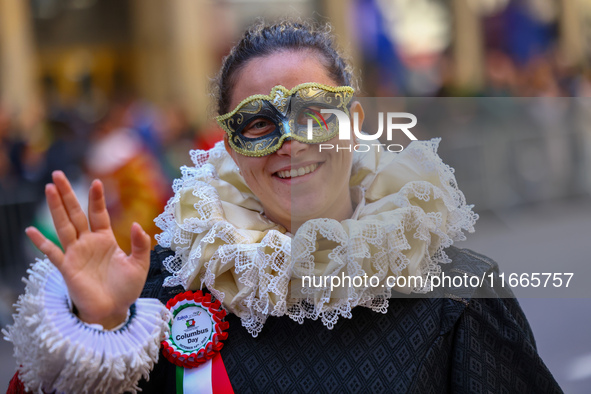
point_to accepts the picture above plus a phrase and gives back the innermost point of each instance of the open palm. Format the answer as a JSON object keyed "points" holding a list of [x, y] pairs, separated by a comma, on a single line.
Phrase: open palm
{"points": [[102, 280]]}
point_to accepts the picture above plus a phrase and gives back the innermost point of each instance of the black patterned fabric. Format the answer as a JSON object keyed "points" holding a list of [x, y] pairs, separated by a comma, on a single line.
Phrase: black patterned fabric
{"points": [[463, 341]]}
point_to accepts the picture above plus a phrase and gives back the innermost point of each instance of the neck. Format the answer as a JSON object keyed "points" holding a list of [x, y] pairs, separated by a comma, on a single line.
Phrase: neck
{"points": [[338, 212]]}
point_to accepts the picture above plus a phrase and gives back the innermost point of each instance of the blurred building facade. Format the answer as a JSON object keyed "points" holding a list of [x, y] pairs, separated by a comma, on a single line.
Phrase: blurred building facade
{"points": [[168, 50]]}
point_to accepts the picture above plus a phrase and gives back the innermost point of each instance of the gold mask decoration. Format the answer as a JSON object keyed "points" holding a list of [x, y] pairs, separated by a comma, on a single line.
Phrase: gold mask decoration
{"points": [[260, 124]]}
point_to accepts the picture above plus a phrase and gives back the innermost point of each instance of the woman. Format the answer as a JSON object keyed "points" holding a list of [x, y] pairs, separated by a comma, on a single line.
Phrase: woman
{"points": [[255, 216]]}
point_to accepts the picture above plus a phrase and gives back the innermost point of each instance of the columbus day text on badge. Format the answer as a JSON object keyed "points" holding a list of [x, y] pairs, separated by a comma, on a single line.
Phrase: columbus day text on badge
{"points": [[197, 329], [192, 327]]}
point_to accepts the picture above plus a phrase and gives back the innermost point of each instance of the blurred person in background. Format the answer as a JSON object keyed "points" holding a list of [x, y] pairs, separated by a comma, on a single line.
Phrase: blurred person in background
{"points": [[135, 186], [175, 134], [501, 74], [5, 148]]}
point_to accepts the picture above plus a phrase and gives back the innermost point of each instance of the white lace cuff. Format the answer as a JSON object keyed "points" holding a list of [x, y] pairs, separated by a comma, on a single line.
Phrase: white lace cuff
{"points": [[57, 351]]}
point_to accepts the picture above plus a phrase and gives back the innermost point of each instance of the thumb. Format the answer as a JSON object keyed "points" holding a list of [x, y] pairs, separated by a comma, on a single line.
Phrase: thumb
{"points": [[140, 244]]}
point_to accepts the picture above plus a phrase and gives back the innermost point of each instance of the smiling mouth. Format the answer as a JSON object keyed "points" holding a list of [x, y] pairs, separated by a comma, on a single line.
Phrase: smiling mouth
{"points": [[295, 172]]}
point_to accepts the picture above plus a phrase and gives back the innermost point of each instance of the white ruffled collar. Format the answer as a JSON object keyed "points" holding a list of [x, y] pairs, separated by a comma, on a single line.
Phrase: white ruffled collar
{"points": [[408, 210]]}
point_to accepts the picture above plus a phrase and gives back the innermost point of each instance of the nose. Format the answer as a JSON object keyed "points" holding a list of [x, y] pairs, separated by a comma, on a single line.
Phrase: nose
{"points": [[292, 148]]}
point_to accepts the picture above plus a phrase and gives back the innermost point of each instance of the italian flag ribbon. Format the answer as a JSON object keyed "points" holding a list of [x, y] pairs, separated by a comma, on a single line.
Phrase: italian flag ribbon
{"points": [[208, 378]]}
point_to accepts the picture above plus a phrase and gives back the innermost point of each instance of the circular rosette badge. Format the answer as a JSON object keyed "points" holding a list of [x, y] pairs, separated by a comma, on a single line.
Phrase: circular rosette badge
{"points": [[197, 329]]}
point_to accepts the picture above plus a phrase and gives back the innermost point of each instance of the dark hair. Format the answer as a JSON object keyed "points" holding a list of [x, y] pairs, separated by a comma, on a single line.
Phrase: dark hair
{"points": [[262, 39]]}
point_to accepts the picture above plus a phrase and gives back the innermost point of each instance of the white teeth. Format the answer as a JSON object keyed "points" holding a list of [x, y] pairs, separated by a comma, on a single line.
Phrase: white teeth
{"points": [[297, 172]]}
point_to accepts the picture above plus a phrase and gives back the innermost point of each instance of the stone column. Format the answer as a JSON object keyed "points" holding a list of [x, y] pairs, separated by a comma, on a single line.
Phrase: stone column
{"points": [[174, 58], [151, 42], [339, 13], [467, 47], [18, 91], [192, 55], [572, 39]]}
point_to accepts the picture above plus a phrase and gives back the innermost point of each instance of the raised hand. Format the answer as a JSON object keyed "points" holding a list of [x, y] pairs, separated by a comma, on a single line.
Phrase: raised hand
{"points": [[102, 280]]}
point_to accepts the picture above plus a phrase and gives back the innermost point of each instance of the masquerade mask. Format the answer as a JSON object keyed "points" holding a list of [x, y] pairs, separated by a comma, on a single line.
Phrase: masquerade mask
{"points": [[260, 124]]}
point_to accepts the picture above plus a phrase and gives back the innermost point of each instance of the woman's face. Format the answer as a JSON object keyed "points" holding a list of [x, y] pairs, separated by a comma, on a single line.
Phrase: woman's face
{"points": [[323, 189]]}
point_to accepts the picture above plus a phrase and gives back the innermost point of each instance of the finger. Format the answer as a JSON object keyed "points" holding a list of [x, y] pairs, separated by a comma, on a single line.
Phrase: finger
{"points": [[75, 212], [51, 250], [66, 231], [140, 245], [97, 209]]}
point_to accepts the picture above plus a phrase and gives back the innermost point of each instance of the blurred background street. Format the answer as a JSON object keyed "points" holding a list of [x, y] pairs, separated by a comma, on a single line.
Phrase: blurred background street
{"points": [[119, 90]]}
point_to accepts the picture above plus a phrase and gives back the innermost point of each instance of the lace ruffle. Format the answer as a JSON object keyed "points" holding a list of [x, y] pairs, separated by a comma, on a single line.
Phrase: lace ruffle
{"points": [[70, 356], [410, 211]]}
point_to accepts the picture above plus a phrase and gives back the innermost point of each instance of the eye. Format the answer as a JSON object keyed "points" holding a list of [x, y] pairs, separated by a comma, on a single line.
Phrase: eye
{"points": [[258, 128]]}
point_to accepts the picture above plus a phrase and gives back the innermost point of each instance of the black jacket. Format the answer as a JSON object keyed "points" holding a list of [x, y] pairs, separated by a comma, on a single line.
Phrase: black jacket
{"points": [[458, 340]]}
